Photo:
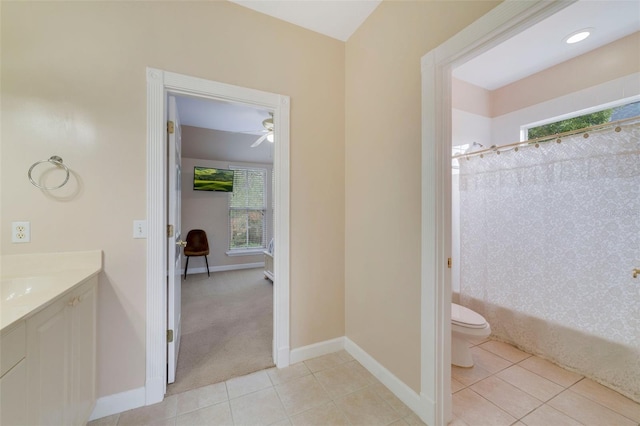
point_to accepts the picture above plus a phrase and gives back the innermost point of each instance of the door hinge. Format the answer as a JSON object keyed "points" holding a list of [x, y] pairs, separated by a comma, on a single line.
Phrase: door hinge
{"points": [[169, 231], [170, 127], [169, 336], [449, 263]]}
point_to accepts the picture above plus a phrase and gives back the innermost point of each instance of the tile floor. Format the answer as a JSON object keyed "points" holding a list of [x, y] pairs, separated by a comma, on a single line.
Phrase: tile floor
{"points": [[332, 389], [509, 387], [505, 387]]}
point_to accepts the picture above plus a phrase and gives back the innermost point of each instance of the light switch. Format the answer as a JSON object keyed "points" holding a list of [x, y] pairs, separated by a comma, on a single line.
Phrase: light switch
{"points": [[139, 229]]}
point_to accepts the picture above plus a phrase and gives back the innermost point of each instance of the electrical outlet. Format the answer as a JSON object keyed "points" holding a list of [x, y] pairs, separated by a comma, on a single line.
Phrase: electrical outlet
{"points": [[20, 232], [139, 229]]}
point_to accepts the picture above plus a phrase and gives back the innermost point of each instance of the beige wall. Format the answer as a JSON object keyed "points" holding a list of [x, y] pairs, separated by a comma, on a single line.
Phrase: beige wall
{"points": [[470, 98], [383, 102], [73, 84], [210, 211]]}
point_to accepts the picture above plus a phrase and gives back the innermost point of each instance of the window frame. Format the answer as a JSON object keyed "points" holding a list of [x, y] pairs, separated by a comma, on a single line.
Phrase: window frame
{"points": [[524, 129]]}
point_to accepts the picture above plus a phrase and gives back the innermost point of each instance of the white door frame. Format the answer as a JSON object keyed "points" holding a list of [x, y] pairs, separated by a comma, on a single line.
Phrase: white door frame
{"points": [[159, 84], [501, 23]]}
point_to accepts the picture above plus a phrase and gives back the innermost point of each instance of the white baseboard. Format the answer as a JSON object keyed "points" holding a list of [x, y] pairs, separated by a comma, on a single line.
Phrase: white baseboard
{"points": [[420, 404], [283, 357], [423, 406], [119, 402], [317, 349], [203, 269]]}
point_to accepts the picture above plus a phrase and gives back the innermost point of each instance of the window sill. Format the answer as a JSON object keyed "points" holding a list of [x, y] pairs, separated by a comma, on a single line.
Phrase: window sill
{"points": [[247, 252]]}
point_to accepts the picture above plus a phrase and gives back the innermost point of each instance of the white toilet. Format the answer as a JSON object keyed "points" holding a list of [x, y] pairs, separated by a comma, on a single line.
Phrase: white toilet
{"points": [[465, 324]]}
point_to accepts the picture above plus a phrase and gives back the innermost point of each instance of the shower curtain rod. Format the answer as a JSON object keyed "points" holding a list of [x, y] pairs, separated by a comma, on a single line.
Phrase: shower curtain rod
{"points": [[535, 142]]}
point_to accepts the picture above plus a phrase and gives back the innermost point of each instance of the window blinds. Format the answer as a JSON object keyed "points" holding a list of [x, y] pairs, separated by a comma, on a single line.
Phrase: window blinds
{"points": [[247, 208]]}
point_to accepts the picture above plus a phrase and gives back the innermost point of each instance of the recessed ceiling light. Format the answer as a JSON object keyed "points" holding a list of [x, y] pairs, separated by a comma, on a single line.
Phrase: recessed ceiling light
{"points": [[577, 36]]}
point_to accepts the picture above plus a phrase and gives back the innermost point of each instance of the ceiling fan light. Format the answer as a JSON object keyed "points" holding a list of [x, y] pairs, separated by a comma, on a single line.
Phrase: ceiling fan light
{"points": [[270, 137], [267, 123]]}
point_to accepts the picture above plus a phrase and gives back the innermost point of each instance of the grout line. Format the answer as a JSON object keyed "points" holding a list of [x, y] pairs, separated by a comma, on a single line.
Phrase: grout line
{"points": [[598, 402], [495, 405], [226, 388], [560, 411]]}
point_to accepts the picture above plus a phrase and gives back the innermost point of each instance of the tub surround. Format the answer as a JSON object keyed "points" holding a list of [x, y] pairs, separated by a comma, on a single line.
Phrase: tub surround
{"points": [[30, 282], [609, 363]]}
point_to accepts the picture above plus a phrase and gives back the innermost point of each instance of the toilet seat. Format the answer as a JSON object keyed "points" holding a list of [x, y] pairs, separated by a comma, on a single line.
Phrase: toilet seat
{"points": [[465, 317]]}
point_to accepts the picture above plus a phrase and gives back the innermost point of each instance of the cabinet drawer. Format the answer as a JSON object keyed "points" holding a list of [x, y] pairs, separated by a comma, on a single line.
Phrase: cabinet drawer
{"points": [[13, 347]]}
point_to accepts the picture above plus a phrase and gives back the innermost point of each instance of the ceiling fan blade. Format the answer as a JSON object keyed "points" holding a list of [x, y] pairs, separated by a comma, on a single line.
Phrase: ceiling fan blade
{"points": [[260, 140], [252, 132]]}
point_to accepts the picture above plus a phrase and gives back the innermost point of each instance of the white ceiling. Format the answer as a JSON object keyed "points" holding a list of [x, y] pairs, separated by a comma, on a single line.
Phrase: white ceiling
{"points": [[334, 18], [219, 115], [534, 50], [542, 46], [233, 128]]}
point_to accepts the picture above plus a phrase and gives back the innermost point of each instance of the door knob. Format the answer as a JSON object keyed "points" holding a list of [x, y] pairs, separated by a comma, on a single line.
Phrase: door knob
{"points": [[181, 243], [636, 272]]}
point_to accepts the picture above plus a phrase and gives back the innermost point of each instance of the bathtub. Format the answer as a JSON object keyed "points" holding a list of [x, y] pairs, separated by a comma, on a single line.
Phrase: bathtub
{"points": [[610, 363]]}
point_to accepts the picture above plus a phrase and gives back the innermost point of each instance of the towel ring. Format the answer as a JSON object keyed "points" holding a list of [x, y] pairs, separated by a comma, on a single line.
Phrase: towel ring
{"points": [[56, 161]]}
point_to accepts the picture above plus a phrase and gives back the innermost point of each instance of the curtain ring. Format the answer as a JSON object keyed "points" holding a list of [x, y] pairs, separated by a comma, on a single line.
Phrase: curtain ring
{"points": [[56, 161]]}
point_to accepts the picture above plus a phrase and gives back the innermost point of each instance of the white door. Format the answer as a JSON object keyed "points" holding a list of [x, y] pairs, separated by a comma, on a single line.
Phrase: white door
{"points": [[174, 243]]}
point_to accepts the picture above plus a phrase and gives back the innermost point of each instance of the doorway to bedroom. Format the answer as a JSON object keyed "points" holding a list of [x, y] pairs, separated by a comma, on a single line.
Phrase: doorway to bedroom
{"points": [[226, 298]]}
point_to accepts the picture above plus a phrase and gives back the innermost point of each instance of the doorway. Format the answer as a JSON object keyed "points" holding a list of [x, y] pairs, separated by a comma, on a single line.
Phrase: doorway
{"points": [[160, 84], [501, 23], [226, 326]]}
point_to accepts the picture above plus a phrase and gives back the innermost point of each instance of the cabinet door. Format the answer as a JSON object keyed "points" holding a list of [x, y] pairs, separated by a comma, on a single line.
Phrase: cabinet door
{"points": [[48, 365], [13, 396], [83, 355]]}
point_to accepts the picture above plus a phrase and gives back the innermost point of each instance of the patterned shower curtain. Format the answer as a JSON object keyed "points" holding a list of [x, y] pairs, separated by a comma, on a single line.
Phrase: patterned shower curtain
{"points": [[549, 237]]}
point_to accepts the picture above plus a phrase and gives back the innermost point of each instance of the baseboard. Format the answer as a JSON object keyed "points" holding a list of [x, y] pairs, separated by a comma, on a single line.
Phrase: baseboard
{"points": [[119, 402], [428, 415], [420, 404], [203, 269], [283, 357], [315, 350], [423, 406]]}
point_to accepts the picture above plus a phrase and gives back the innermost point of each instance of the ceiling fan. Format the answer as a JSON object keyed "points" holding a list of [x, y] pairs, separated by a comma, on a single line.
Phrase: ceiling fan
{"points": [[267, 123]]}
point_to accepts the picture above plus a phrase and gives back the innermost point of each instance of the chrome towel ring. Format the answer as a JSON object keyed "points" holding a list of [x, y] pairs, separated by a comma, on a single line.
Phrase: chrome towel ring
{"points": [[56, 161]]}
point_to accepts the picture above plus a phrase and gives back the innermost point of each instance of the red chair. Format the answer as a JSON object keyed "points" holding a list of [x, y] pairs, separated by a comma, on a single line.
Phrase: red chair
{"points": [[197, 245]]}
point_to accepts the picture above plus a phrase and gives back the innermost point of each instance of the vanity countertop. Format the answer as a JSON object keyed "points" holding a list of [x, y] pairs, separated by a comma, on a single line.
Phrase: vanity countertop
{"points": [[29, 282]]}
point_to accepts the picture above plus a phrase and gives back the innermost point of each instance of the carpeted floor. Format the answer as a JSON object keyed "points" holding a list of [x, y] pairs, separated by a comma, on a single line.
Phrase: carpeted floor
{"points": [[227, 328]]}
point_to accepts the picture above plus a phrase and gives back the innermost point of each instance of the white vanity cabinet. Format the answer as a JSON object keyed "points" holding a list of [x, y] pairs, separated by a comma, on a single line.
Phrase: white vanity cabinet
{"points": [[13, 376], [60, 362], [48, 312]]}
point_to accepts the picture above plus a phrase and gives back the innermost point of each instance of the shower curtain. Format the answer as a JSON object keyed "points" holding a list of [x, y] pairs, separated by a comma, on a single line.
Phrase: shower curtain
{"points": [[549, 237]]}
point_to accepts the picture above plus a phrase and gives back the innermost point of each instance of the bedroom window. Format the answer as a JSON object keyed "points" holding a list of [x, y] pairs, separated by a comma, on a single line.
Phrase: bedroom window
{"points": [[247, 210]]}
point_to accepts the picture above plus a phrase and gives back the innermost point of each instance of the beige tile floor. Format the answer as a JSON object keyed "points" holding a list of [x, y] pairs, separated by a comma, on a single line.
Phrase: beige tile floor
{"points": [[332, 389], [509, 387], [505, 387]]}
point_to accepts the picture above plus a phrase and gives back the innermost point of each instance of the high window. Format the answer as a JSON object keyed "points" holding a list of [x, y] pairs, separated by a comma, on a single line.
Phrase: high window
{"points": [[554, 127], [247, 209]]}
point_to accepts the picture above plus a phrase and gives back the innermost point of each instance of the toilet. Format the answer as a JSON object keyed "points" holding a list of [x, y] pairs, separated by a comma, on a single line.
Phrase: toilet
{"points": [[465, 324]]}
